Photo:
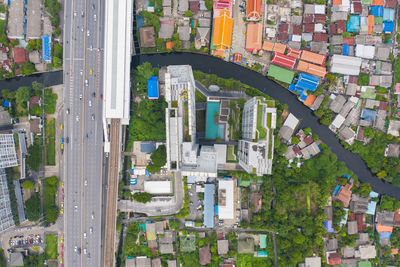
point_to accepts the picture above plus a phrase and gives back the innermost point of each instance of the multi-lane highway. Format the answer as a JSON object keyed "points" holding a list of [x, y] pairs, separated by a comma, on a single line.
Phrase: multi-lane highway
{"points": [[83, 131]]}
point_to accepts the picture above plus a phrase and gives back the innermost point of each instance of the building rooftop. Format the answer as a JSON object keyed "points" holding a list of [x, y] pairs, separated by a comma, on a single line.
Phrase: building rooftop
{"points": [[15, 25], [254, 35], [223, 247], [205, 255], [33, 19], [209, 192], [226, 198], [147, 37]]}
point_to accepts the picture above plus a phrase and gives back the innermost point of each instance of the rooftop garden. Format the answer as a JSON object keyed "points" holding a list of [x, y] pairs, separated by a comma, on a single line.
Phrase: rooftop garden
{"points": [[260, 128]]}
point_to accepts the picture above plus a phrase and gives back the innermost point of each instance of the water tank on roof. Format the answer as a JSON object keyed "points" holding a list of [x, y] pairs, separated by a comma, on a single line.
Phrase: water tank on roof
{"points": [[213, 88]]}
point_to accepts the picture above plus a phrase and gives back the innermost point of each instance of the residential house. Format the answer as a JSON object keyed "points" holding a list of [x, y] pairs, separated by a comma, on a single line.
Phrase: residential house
{"points": [[331, 244], [156, 262], [393, 150], [366, 252], [344, 194], [171, 263], [35, 126], [256, 201], [347, 134], [288, 127], [20, 55], [385, 218], [183, 6], [223, 247], [334, 258], [359, 204], [348, 252], [352, 228], [312, 262], [147, 37], [166, 28], [246, 245], [205, 255], [184, 33]]}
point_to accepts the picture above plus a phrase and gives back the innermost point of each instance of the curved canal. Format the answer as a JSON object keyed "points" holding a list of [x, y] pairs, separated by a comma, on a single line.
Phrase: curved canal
{"points": [[209, 64]]}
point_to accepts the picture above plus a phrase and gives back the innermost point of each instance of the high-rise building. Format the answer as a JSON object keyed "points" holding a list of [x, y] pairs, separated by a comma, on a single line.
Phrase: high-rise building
{"points": [[256, 149], [6, 216]]}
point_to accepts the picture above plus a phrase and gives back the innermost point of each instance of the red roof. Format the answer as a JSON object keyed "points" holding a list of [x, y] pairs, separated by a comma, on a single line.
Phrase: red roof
{"points": [[333, 28], [309, 18], [284, 27], [194, 6], [360, 218], [341, 26], [308, 140], [320, 18], [334, 258], [297, 150], [283, 36], [20, 55], [284, 61], [397, 218], [390, 3], [320, 37], [353, 79], [348, 41], [296, 29], [294, 52], [309, 27], [357, 7], [397, 89], [382, 105]]}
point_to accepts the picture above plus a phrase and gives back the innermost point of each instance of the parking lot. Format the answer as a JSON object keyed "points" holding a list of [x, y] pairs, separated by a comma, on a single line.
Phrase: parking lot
{"points": [[22, 241], [195, 204]]}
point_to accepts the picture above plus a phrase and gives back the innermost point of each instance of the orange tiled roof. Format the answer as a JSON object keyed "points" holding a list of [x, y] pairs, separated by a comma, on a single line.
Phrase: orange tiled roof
{"points": [[311, 68], [268, 46], [371, 22], [337, 2], [377, 3], [253, 9], [310, 100], [383, 229], [395, 251], [313, 57], [223, 26], [254, 36], [169, 45], [280, 48]]}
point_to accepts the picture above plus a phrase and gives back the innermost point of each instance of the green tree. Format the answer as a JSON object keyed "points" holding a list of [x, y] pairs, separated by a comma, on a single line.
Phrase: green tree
{"points": [[209, 4], [53, 180], [57, 62], [32, 208], [28, 68], [2, 259], [295, 140], [14, 42], [126, 194], [363, 79], [142, 197], [57, 32], [37, 88], [22, 95], [34, 161], [28, 184], [188, 13]]}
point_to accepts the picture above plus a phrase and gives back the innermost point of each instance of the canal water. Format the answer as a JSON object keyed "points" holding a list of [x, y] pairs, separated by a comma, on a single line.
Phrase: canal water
{"points": [[46, 78]]}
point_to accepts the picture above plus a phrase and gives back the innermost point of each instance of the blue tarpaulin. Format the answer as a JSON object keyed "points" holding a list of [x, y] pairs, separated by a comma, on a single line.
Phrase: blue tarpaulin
{"points": [[346, 49], [6, 104], [353, 24], [328, 226], [152, 87], [139, 21], [376, 11], [303, 98], [46, 48], [388, 26], [336, 190]]}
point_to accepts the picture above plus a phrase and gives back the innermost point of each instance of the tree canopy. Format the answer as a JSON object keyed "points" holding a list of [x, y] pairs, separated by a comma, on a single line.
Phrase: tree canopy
{"points": [[142, 197], [32, 208], [158, 159]]}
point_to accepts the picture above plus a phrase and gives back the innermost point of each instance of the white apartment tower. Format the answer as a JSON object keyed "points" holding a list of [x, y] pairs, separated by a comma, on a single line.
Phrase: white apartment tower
{"points": [[256, 149]]}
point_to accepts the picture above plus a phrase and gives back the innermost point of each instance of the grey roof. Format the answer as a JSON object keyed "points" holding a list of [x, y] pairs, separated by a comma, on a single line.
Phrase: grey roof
{"points": [[378, 28], [349, 262], [337, 104], [346, 108], [143, 262], [359, 204], [159, 227], [366, 252], [363, 239], [381, 80], [286, 133], [331, 244], [166, 28], [346, 134], [312, 262], [348, 252], [166, 248], [336, 40], [171, 263], [386, 218], [352, 228], [34, 57], [156, 262], [295, 45], [319, 47], [317, 102], [205, 255], [15, 25], [386, 68], [169, 237], [309, 9], [33, 19], [246, 245], [328, 212], [223, 247], [6, 216], [371, 103], [16, 259], [204, 22], [183, 6], [203, 34], [382, 52], [394, 150], [147, 37], [167, 11], [184, 33], [296, 20], [166, 3], [352, 89], [394, 128], [336, 16]]}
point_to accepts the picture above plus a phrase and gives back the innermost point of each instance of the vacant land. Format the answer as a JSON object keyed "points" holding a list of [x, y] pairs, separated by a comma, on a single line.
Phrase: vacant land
{"points": [[51, 246], [50, 142]]}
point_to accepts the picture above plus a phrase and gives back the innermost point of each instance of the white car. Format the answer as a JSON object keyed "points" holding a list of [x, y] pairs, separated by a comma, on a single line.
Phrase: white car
{"points": [[85, 182], [80, 97], [75, 248], [88, 33], [91, 230], [74, 13], [90, 103], [84, 236], [94, 17], [76, 207], [77, 118], [92, 216], [84, 251], [86, 83]]}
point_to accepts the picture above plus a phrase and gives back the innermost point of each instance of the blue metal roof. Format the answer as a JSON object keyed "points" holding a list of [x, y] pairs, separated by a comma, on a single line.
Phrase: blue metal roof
{"points": [[353, 24], [6, 104], [152, 87], [377, 11], [148, 147], [368, 114], [209, 192], [346, 50], [307, 82], [46, 48]]}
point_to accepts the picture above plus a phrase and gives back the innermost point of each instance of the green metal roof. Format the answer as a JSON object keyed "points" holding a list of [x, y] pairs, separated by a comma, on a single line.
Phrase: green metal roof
{"points": [[364, 264], [263, 241], [281, 74]]}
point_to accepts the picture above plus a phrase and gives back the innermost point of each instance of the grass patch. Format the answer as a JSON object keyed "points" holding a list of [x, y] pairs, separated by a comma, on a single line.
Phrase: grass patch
{"points": [[50, 142], [50, 190], [200, 120], [230, 153], [260, 128], [200, 98], [50, 101], [51, 246]]}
